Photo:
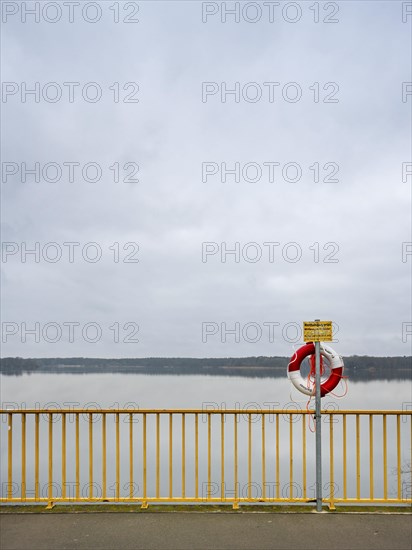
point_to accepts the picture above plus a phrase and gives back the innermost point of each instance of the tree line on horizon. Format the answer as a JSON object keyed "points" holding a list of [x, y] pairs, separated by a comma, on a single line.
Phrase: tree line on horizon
{"points": [[356, 367]]}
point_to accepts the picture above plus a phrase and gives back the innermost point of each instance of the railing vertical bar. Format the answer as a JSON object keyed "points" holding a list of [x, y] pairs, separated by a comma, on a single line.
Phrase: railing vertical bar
{"points": [[90, 455], [385, 458], [304, 479], [104, 472], [196, 455], [398, 454], [332, 462], [357, 456], [117, 420], [183, 455], [77, 456], [277, 458], [10, 456], [345, 471], [131, 465], [263, 457], [170, 455], [144, 456], [63, 455], [290, 456], [222, 456], [249, 458], [235, 455], [36, 456], [371, 483], [209, 455], [157, 455], [50, 482], [23, 456]]}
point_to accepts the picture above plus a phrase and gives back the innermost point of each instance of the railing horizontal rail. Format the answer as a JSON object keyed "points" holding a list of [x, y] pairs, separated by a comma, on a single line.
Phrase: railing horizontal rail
{"points": [[207, 411], [204, 455]]}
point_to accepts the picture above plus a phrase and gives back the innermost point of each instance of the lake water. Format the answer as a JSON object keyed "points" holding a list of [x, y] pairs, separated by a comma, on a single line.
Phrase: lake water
{"points": [[205, 392], [173, 391]]}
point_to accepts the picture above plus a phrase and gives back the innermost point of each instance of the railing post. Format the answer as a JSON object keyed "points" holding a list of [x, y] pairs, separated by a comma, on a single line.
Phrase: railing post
{"points": [[318, 430]]}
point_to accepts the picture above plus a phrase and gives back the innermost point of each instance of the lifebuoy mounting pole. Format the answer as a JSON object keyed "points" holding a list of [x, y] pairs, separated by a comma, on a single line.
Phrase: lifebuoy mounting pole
{"points": [[318, 420], [316, 332]]}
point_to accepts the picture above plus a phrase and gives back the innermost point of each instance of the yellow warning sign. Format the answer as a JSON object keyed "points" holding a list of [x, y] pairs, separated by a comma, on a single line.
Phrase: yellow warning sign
{"points": [[317, 331]]}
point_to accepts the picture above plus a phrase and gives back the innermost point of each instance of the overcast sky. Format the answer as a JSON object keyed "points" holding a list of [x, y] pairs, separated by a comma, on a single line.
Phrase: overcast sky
{"points": [[334, 100]]}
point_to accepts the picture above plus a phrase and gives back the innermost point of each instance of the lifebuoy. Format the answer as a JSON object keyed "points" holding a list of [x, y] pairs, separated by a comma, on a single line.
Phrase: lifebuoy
{"points": [[335, 363]]}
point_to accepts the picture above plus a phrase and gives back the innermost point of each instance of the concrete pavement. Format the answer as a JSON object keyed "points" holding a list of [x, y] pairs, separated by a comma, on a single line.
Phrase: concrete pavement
{"points": [[198, 531]]}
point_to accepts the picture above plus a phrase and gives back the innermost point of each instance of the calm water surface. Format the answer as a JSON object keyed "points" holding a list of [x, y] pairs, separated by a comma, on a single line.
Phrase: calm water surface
{"points": [[146, 391]]}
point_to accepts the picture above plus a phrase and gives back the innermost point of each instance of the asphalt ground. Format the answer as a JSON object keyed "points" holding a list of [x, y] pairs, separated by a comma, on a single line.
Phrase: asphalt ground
{"points": [[205, 530]]}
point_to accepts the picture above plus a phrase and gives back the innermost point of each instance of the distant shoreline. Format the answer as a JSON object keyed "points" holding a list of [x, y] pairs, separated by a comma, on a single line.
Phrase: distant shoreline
{"points": [[356, 367]]}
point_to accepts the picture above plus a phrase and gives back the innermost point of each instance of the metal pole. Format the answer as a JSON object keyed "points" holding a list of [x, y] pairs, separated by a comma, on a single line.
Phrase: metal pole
{"points": [[318, 430]]}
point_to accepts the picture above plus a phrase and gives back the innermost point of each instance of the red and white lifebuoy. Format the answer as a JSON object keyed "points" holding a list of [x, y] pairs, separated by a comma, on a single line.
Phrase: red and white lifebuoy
{"points": [[335, 363]]}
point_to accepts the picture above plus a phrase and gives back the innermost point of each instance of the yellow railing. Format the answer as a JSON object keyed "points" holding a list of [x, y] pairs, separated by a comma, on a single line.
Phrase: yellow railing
{"points": [[208, 456]]}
